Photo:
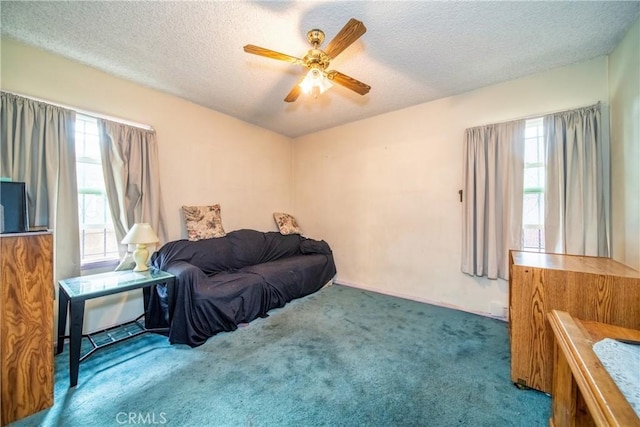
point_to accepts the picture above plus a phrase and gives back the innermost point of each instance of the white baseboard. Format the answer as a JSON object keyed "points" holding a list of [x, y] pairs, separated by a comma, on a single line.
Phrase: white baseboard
{"points": [[417, 299]]}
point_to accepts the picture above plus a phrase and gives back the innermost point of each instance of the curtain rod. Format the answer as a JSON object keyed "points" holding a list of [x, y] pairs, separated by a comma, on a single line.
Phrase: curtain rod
{"points": [[86, 112], [535, 116]]}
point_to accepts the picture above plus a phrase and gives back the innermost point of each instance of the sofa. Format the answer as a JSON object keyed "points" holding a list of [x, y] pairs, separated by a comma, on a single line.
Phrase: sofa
{"points": [[228, 281]]}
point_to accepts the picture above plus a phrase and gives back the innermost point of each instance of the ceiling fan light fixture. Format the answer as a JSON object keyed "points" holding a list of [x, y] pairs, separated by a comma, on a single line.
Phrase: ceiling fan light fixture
{"points": [[324, 84], [315, 81]]}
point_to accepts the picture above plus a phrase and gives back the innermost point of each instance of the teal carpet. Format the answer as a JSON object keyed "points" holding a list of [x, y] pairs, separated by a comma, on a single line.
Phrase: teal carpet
{"points": [[340, 357]]}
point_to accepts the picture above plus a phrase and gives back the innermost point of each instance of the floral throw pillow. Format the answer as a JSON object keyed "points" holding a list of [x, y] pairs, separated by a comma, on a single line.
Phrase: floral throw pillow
{"points": [[286, 223], [203, 222]]}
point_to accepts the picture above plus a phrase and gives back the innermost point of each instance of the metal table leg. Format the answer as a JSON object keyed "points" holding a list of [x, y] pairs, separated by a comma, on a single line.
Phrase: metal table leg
{"points": [[76, 314], [63, 305]]}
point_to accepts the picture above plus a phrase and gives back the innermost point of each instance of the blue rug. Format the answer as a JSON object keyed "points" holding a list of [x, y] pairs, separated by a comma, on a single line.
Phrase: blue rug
{"points": [[340, 357]]}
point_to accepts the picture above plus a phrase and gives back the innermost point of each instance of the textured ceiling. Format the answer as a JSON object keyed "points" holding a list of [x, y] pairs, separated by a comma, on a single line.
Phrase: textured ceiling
{"points": [[413, 51]]}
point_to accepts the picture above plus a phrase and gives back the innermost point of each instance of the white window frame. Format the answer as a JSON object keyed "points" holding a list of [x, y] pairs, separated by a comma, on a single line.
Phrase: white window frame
{"points": [[535, 124], [86, 126]]}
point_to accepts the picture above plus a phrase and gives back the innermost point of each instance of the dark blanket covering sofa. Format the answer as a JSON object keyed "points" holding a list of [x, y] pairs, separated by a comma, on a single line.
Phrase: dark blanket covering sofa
{"points": [[223, 282]]}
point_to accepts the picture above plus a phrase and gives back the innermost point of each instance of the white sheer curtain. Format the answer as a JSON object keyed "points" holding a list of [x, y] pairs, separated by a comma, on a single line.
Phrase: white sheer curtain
{"points": [[132, 177], [37, 146], [577, 186], [492, 197]]}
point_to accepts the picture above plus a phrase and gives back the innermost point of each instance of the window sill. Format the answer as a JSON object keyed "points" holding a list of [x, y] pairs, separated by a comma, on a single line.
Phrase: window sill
{"points": [[98, 266]]}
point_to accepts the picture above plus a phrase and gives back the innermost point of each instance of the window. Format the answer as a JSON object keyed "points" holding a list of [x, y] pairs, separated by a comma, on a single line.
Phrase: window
{"points": [[97, 236], [534, 181]]}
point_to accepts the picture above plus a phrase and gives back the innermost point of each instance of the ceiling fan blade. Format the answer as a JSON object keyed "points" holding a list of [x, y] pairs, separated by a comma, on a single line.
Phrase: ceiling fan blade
{"points": [[257, 50], [347, 35], [348, 82], [295, 92]]}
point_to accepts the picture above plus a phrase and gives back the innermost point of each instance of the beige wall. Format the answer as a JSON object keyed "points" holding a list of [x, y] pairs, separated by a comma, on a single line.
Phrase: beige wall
{"points": [[384, 191], [624, 87], [205, 156]]}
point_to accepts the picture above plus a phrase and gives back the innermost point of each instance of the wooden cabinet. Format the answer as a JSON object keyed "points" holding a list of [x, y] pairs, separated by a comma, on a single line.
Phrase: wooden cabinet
{"points": [[26, 324], [588, 288]]}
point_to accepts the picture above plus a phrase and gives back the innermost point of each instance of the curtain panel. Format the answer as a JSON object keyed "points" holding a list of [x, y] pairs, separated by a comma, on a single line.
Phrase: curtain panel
{"points": [[577, 183], [37, 146], [132, 177], [493, 171]]}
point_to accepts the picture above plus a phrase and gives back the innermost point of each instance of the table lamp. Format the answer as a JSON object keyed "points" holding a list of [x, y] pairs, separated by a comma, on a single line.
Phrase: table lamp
{"points": [[140, 235]]}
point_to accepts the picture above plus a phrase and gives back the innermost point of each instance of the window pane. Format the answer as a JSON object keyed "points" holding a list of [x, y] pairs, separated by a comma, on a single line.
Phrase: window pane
{"points": [[531, 132], [90, 176], [533, 239], [534, 177], [93, 210], [531, 151], [87, 146], [533, 209], [98, 245]]}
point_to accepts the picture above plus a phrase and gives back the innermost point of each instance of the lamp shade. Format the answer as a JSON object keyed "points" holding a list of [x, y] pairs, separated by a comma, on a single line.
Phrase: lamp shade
{"points": [[140, 233]]}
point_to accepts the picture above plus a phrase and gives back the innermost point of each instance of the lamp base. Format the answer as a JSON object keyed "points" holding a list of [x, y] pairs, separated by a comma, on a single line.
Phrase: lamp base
{"points": [[140, 256]]}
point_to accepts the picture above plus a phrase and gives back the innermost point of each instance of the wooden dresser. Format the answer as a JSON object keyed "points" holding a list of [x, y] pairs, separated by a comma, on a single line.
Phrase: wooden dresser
{"points": [[588, 288], [26, 324]]}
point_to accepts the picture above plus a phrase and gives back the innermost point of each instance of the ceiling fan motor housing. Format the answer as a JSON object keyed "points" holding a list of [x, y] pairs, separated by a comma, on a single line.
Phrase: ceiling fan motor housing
{"points": [[316, 58]]}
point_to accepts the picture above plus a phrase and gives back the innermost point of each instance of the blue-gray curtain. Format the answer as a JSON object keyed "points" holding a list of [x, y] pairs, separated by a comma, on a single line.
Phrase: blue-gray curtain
{"points": [[577, 185], [493, 171], [132, 177], [37, 146]]}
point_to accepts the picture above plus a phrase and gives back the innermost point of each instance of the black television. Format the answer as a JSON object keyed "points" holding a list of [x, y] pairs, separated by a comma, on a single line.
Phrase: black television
{"points": [[13, 198]]}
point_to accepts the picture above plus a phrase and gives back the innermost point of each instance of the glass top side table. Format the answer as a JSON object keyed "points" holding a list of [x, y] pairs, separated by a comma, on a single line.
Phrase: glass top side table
{"points": [[75, 291], [97, 285]]}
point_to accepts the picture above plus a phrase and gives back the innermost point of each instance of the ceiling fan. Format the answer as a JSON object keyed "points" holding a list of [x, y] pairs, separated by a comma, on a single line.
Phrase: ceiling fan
{"points": [[317, 79]]}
